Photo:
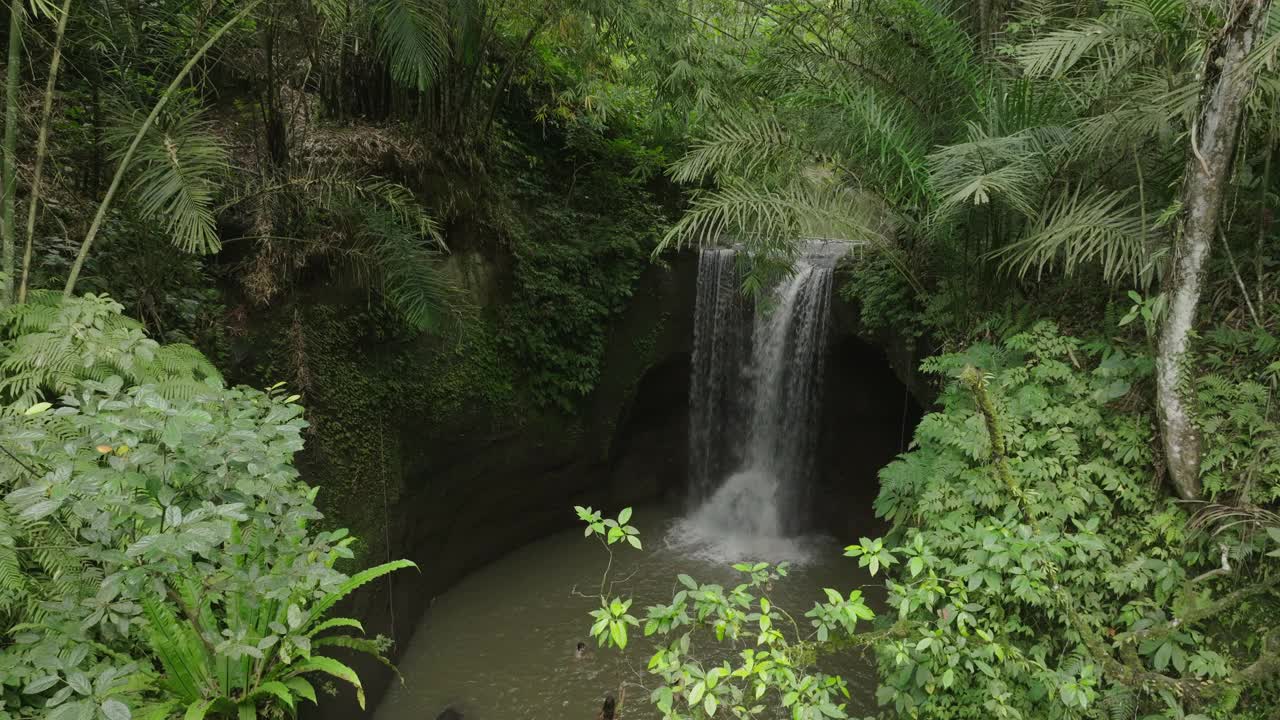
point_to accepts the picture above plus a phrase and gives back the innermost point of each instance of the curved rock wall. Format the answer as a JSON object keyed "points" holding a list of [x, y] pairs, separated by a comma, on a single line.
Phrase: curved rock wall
{"points": [[426, 452]]}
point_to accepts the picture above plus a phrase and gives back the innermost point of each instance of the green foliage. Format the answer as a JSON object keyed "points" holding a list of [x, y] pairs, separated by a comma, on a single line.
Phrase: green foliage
{"points": [[1034, 568], [775, 669], [981, 580], [576, 263], [50, 346], [1044, 564], [157, 556], [885, 300], [1238, 410]]}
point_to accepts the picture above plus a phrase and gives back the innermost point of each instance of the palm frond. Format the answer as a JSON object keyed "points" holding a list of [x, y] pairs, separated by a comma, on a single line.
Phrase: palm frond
{"points": [[1148, 110], [1077, 229], [1262, 58], [736, 147], [1058, 52], [881, 138], [414, 36], [413, 280], [179, 163], [1012, 168], [769, 220]]}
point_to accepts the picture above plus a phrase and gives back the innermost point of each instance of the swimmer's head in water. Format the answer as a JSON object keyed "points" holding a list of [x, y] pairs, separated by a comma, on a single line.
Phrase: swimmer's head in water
{"points": [[582, 646]]}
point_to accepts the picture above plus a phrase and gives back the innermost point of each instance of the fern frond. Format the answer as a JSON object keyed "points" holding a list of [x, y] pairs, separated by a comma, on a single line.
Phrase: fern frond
{"points": [[180, 360], [1120, 703]]}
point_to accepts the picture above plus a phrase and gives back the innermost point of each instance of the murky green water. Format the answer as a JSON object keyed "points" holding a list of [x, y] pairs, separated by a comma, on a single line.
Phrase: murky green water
{"points": [[501, 643]]}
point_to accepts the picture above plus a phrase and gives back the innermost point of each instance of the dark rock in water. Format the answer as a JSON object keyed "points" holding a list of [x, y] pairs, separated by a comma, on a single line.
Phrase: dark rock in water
{"points": [[449, 714]]}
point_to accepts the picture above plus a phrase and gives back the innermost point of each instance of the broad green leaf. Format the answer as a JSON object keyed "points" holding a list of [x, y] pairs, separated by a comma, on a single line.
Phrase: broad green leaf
{"points": [[115, 710], [695, 694], [197, 710], [301, 688], [277, 689], [332, 667], [40, 684]]}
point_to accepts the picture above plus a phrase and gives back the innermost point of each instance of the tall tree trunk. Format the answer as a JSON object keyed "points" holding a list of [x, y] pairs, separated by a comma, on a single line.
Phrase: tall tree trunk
{"points": [[1227, 83], [8, 232], [277, 133], [41, 146]]}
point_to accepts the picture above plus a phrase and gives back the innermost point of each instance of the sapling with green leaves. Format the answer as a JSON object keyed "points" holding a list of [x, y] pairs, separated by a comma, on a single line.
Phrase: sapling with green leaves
{"points": [[774, 665], [159, 555]]}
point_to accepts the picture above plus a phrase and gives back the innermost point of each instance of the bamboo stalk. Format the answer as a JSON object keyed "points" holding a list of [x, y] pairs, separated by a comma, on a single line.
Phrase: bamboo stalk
{"points": [[10, 172], [41, 146], [137, 140]]}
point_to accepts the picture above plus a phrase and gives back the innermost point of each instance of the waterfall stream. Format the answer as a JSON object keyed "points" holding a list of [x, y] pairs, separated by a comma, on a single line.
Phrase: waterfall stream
{"points": [[754, 405]]}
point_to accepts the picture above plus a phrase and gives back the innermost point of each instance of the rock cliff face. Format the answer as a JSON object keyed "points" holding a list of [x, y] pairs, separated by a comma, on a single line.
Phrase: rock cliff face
{"points": [[425, 451]]}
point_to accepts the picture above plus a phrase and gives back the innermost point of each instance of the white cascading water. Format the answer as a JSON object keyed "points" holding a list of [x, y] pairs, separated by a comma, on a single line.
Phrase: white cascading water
{"points": [[754, 405]]}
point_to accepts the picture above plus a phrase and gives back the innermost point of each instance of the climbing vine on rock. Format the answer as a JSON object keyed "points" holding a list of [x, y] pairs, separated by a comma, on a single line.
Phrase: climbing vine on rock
{"points": [[593, 239]]}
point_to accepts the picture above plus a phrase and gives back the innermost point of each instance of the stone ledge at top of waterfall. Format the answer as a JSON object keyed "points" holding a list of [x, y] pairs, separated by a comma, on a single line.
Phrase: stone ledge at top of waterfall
{"points": [[819, 251]]}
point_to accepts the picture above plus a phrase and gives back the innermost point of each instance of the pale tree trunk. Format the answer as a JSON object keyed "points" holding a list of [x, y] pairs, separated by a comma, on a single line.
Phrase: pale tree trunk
{"points": [[1213, 146]]}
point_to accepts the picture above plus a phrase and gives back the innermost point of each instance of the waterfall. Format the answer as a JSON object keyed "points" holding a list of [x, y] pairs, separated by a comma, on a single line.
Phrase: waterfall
{"points": [[755, 399]]}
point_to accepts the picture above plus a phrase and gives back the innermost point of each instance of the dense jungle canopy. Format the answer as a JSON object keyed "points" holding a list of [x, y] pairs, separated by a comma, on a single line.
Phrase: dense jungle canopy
{"points": [[217, 213]]}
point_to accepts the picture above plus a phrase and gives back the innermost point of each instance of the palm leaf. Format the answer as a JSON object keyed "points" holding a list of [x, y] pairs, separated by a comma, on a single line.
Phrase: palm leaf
{"points": [[735, 147], [179, 165], [1056, 53], [413, 34], [1077, 229]]}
